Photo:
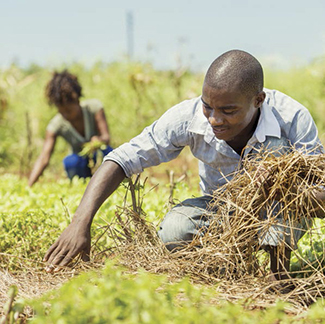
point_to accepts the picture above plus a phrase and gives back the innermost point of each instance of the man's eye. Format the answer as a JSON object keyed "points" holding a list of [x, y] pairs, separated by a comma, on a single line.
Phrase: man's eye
{"points": [[227, 112], [207, 107]]}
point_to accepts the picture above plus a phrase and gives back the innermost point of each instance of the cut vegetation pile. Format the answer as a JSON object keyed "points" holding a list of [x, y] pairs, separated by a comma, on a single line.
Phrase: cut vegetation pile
{"points": [[229, 253]]}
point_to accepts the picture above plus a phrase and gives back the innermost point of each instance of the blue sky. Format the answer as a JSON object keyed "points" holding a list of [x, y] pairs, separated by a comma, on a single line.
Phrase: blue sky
{"points": [[279, 33]]}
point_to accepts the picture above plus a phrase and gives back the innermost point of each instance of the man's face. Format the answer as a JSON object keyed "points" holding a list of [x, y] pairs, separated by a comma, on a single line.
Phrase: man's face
{"points": [[231, 115]]}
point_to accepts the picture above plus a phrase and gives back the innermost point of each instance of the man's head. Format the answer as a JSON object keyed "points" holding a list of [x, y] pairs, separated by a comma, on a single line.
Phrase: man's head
{"points": [[232, 93], [236, 70]]}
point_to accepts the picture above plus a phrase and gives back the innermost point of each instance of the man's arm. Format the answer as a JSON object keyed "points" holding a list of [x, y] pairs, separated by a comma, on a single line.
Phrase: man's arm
{"points": [[76, 238], [318, 203]]}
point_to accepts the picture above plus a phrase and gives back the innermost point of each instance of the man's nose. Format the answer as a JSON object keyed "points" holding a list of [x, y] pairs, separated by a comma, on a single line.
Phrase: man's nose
{"points": [[216, 120]]}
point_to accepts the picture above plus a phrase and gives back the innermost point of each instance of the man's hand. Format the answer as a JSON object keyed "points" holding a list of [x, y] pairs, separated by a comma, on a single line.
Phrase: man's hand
{"points": [[261, 177], [74, 240]]}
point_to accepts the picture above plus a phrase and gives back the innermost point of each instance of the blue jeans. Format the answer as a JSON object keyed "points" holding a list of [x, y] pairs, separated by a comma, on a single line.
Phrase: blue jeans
{"points": [[76, 165], [190, 218], [184, 221]]}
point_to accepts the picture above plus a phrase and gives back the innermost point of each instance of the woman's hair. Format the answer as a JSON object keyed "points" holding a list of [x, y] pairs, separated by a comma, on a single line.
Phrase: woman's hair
{"points": [[63, 88]]}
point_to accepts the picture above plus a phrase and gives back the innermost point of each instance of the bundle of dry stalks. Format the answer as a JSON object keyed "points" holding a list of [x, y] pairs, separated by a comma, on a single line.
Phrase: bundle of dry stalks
{"points": [[268, 188]]}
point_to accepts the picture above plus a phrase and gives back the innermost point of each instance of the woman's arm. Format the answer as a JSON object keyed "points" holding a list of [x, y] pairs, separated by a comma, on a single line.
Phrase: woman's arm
{"points": [[102, 126], [44, 158]]}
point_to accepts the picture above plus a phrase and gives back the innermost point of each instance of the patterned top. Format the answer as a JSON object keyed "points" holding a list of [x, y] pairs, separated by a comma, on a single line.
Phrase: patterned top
{"points": [[282, 122], [62, 127]]}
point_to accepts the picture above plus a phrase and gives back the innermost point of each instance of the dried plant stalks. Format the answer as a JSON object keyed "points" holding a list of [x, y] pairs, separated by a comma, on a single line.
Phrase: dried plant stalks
{"points": [[229, 253]]}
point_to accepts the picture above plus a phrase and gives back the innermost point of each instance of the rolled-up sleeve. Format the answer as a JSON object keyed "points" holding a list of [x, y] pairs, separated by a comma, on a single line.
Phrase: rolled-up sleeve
{"points": [[160, 142]]}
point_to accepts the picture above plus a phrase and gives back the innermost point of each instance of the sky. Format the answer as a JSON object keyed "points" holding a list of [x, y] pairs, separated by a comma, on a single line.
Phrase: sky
{"points": [[168, 33]]}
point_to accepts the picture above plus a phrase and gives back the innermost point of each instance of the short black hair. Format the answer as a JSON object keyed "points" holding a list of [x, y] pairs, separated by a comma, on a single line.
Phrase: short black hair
{"points": [[238, 70], [63, 88]]}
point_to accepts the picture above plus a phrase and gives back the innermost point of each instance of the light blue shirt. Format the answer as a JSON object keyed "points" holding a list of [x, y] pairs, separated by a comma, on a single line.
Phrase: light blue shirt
{"points": [[282, 122]]}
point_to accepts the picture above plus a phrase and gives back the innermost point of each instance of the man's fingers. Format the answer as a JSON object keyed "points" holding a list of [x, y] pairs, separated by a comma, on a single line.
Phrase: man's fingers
{"points": [[85, 255], [65, 261], [61, 257], [261, 175], [49, 268], [71, 242], [53, 261], [56, 256], [49, 252]]}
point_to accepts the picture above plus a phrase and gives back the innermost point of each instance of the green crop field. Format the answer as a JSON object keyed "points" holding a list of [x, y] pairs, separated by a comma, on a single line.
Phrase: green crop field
{"points": [[106, 290]]}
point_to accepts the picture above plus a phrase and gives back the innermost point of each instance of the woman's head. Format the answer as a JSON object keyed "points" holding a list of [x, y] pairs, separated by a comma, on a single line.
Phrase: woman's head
{"points": [[63, 89]]}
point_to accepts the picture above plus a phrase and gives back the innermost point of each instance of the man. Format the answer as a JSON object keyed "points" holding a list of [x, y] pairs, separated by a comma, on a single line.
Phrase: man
{"points": [[233, 115]]}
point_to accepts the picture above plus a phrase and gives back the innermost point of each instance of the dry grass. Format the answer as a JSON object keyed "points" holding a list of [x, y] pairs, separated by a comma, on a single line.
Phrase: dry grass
{"points": [[227, 256], [32, 281]]}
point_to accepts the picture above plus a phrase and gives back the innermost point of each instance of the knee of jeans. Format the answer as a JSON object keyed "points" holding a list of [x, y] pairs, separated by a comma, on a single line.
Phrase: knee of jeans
{"points": [[177, 230], [76, 165], [74, 161]]}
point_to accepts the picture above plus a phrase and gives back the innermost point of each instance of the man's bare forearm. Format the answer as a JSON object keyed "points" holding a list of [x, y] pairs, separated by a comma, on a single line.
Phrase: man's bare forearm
{"points": [[103, 183]]}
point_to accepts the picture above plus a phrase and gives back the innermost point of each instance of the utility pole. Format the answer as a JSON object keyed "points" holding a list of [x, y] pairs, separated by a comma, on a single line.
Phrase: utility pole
{"points": [[129, 34]]}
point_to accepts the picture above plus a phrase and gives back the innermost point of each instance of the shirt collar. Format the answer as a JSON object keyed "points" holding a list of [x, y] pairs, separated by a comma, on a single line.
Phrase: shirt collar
{"points": [[199, 124], [267, 125]]}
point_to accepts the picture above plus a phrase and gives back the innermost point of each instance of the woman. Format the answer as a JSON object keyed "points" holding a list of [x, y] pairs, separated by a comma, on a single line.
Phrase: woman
{"points": [[78, 122]]}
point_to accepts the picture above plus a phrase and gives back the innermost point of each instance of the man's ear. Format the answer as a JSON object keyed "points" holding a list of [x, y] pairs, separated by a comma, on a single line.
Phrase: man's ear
{"points": [[259, 99]]}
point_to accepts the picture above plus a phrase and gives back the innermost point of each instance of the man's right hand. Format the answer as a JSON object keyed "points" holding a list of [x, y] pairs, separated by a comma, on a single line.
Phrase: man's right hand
{"points": [[74, 240]]}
